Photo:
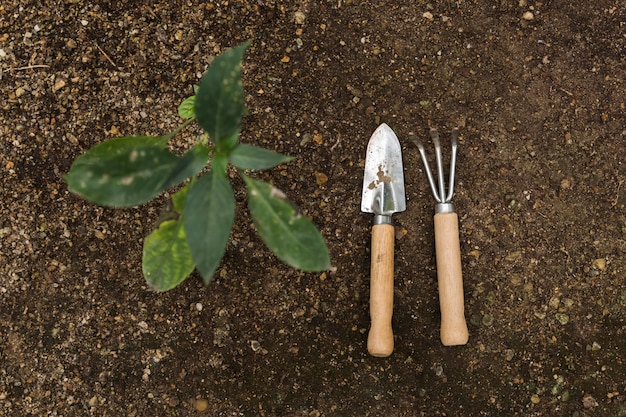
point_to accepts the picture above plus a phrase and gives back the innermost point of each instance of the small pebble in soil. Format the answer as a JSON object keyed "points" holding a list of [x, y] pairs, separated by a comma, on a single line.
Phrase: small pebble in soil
{"points": [[589, 401], [599, 264], [201, 405], [299, 17], [255, 345], [562, 318], [535, 399], [554, 302], [321, 178], [528, 16], [594, 347]]}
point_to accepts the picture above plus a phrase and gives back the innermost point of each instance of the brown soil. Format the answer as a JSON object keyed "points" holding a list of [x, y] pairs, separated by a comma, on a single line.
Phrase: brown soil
{"points": [[540, 195]]}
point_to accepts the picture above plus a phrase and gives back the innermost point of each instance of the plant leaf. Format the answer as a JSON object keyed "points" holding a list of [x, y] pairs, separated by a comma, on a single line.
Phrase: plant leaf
{"points": [[116, 146], [208, 217], [246, 156], [178, 199], [189, 165], [228, 143], [292, 237], [186, 110], [219, 101], [166, 257], [125, 177]]}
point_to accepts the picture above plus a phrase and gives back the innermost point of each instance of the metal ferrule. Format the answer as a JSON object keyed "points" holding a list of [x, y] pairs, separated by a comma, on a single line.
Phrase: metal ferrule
{"points": [[444, 208], [381, 219]]}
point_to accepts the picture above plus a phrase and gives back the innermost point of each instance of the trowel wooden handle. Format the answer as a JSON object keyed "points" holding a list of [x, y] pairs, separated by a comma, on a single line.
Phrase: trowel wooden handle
{"points": [[450, 280], [380, 338]]}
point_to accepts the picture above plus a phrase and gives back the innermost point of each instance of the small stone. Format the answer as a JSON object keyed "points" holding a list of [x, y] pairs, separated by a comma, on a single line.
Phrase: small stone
{"points": [[400, 233], [321, 178], [59, 83], [317, 138], [566, 184], [589, 401], [199, 306], [255, 345], [201, 405], [562, 318], [528, 16], [285, 59], [513, 256], [73, 139], [595, 346], [516, 279], [71, 43], [554, 302], [19, 92], [299, 17], [599, 264], [428, 15], [535, 399]]}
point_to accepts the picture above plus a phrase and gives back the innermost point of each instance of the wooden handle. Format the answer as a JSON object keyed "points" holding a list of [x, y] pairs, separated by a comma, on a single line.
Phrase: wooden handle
{"points": [[450, 280], [380, 338]]}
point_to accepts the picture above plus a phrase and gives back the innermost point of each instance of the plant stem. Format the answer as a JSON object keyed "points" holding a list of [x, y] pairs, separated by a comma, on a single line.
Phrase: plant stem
{"points": [[181, 127]]}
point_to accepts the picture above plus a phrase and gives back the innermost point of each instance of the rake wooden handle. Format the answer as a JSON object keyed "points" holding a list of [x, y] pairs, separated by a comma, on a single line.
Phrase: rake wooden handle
{"points": [[450, 280], [380, 338]]}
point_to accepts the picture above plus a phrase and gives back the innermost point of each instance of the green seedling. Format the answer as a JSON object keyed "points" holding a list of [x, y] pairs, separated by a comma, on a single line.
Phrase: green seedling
{"points": [[132, 170]]}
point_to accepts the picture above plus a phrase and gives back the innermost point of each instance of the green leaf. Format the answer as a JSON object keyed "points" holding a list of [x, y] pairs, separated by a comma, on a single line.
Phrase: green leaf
{"points": [[208, 217], [253, 157], [189, 165], [292, 237], [219, 100], [228, 143], [117, 146], [178, 199], [186, 110], [166, 257], [125, 178], [219, 164]]}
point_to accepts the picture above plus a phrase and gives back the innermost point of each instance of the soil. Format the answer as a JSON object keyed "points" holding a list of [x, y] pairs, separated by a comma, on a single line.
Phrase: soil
{"points": [[538, 91]]}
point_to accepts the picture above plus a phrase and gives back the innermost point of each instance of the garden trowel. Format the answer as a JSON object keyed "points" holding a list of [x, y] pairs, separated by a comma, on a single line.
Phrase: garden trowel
{"points": [[383, 195]]}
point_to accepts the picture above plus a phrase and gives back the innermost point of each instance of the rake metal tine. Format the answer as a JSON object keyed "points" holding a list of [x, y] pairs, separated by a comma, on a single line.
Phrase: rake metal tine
{"points": [[455, 145], [434, 135], [429, 175]]}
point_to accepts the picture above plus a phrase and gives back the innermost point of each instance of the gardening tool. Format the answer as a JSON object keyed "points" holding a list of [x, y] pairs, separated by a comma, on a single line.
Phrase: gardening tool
{"points": [[447, 247], [383, 195]]}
